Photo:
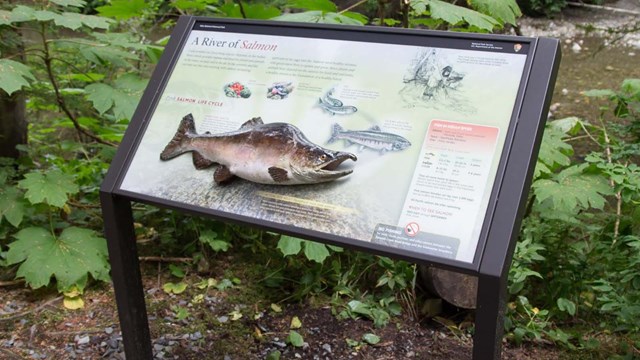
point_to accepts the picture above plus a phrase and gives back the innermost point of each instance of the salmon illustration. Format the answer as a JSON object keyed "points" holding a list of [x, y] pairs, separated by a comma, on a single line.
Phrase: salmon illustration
{"points": [[274, 153], [334, 106], [373, 138]]}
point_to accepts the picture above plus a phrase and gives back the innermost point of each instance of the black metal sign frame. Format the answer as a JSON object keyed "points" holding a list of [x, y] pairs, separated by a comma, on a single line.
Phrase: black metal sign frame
{"points": [[502, 220]]}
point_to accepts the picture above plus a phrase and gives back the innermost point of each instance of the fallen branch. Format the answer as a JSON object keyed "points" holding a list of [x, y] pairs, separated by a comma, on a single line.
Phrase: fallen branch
{"points": [[10, 354], [11, 282], [602, 7], [77, 332], [165, 259], [36, 309]]}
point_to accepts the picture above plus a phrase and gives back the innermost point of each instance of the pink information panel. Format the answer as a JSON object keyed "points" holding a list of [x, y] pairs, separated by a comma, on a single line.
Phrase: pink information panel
{"points": [[448, 187]]}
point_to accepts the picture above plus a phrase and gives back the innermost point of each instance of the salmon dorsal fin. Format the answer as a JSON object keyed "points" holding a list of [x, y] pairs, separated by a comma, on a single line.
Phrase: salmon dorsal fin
{"points": [[252, 123], [375, 128]]}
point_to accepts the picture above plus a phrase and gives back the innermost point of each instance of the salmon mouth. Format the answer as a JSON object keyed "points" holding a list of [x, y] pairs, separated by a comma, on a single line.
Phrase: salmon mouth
{"points": [[333, 164]]}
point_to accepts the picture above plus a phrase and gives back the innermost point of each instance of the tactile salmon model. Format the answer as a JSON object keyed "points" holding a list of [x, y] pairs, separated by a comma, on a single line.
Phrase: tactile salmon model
{"points": [[275, 153]]}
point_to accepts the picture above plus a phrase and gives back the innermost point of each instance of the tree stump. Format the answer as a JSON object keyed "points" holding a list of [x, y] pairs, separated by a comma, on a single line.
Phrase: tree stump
{"points": [[455, 288]]}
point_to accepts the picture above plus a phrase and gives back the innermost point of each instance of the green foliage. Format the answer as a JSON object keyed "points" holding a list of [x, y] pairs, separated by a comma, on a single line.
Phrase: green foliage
{"points": [[572, 190], [579, 243], [379, 312], [295, 338], [483, 16], [505, 11], [370, 338], [181, 313], [174, 288], [123, 9], [525, 256], [547, 8], [48, 196], [324, 11], [566, 305], [75, 3], [215, 242], [69, 257], [251, 11], [65, 19], [11, 206], [531, 324], [554, 151], [14, 76], [50, 188], [121, 99], [322, 5], [313, 251], [456, 15], [318, 16]]}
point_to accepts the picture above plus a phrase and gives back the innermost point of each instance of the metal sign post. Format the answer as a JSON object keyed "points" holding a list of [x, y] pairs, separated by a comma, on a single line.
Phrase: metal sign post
{"points": [[451, 135]]}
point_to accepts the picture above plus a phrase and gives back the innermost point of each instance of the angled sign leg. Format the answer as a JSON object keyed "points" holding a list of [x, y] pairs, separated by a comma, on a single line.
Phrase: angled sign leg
{"points": [[489, 323], [125, 273]]}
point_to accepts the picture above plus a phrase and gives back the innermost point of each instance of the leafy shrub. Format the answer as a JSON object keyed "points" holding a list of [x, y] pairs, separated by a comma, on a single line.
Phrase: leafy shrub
{"points": [[580, 244], [546, 8]]}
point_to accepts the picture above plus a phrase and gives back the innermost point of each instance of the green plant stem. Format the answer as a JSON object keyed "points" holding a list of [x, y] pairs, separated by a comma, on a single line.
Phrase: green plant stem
{"points": [[21, 54], [607, 150], [578, 138], [74, 67], [244, 15], [406, 5], [51, 227], [161, 259], [381, 7], [353, 6], [59, 99], [77, 41], [584, 128]]}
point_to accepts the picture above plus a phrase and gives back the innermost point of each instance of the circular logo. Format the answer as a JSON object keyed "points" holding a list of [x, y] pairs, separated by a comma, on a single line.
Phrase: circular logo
{"points": [[412, 229]]}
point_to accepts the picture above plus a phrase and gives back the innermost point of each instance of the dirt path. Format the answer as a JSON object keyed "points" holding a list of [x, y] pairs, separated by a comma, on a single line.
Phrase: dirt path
{"points": [[214, 329]]}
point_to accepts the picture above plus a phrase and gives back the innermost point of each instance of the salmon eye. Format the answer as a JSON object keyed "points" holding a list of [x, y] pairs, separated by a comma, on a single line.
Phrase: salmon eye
{"points": [[323, 157]]}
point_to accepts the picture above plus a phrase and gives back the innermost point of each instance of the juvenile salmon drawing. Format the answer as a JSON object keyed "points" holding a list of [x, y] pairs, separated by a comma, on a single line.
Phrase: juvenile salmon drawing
{"points": [[334, 106], [275, 153], [372, 138]]}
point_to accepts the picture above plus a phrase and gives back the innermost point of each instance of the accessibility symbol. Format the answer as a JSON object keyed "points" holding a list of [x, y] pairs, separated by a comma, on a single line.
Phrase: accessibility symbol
{"points": [[412, 229]]}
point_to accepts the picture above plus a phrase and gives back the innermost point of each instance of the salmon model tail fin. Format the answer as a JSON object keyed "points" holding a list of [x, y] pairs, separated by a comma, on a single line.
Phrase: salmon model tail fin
{"points": [[177, 145], [336, 129]]}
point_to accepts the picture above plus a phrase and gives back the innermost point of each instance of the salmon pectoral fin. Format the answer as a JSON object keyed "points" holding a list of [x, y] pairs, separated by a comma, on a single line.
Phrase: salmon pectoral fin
{"points": [[200, 162], [222, 175], [278, 175]]}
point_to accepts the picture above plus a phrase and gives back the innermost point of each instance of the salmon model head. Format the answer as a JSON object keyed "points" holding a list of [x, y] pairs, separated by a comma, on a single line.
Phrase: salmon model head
{"points": [[275, 153], [311, 163]]}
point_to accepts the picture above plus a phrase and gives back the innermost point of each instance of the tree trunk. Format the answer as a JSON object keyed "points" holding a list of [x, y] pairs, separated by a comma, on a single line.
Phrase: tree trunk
{"points": [[13, 123]]}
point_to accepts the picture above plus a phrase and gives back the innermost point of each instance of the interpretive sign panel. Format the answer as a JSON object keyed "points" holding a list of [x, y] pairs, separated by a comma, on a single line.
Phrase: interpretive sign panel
{"points": [[413, 144], [393, 141]]}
